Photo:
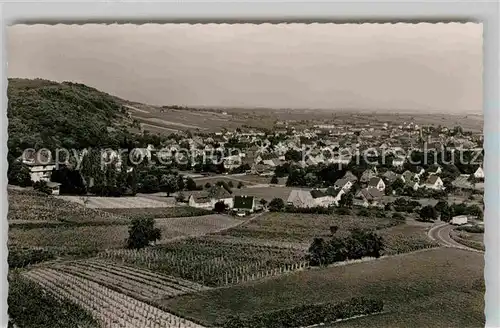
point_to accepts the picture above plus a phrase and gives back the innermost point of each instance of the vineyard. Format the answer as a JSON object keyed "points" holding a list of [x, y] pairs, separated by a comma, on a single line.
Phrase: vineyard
{"points": [[26, 205], [213, 262], [110, 308], [137, 283]]}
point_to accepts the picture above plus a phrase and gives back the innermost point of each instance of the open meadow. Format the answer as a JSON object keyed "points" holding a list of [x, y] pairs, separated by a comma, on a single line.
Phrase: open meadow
{"points": [[442, 278], [298, 230]]}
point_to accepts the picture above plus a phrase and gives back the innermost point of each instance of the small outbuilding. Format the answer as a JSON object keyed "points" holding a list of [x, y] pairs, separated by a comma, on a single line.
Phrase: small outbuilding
{"points": [[459, 220]]}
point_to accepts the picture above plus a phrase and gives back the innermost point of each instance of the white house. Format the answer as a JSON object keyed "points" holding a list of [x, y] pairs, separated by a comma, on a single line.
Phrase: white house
{"points": [[377, 183], [40, 164], [343, 184], [208, 200], [434, 182], [314, 198], [479, 174], [459, 220]]}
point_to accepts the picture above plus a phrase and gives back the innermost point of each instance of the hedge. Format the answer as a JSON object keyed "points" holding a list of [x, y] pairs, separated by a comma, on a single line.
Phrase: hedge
{"points": [[307, 315]]}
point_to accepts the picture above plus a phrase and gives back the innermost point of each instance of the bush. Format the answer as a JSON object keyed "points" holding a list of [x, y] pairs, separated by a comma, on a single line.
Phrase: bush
{"points": [[398, 216], [240, 185], [276, 205], [308, 314], [343, 211], [208, 185], [220, 207], [471, 229], [19, 258], [364, 212], [42, 187]]}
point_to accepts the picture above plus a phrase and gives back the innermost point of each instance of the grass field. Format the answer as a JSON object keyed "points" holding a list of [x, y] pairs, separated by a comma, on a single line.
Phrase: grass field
{"points": [[113, 236], [117, 202], [158, 212], [444, 278], [301, 229]]}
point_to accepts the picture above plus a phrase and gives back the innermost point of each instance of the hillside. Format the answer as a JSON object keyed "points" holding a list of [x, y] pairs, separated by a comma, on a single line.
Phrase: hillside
{"points": [[48, 114]]}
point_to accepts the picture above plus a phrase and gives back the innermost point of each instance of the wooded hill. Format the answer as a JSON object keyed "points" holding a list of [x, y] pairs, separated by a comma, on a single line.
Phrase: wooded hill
{"points": [[49, 114]]}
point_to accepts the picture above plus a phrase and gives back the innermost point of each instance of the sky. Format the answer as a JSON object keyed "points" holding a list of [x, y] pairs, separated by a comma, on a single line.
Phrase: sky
{"points": [[421, 67]]}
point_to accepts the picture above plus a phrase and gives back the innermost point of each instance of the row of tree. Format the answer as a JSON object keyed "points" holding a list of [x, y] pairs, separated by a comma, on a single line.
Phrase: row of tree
{"points": [[358, 244]]}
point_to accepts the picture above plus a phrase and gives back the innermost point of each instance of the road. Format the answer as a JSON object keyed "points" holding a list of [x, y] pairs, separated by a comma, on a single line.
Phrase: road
{"points": [[441, 234]]}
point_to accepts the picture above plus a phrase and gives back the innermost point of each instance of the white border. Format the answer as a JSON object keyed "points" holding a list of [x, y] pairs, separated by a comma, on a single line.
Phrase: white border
{"points": [[290, 11]]}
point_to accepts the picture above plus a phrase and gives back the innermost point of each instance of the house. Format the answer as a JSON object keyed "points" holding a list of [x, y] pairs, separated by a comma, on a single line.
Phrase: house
{"points": [[368, 197], [435, 170], [459, 220], [408, 176], [314, 198], [377, 183], [208, 199], [398, 162], [390, 176], [244, 204], [54, 187], [434, 182], [479, 173], [343, 184], [40, 164], [300, 198], [413, 184], [367, 175], [349, 176]]}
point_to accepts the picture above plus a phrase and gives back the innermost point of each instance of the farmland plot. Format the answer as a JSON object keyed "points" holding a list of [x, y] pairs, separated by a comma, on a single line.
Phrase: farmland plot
{"points": [[442, 278], [138, 283], [212, 262], [117, 202], [195, 226], [26, 206], [112, 309]]}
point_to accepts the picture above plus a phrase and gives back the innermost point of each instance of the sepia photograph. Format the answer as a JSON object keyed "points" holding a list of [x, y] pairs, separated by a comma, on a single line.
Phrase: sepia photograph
{"points": [[245, 175]]}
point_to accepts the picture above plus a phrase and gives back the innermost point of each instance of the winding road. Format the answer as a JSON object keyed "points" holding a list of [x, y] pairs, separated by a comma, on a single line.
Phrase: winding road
{"points": [[441, 234]]}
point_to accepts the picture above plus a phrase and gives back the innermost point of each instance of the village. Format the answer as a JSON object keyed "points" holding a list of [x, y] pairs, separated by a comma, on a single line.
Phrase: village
{"points": [[322, 166]]}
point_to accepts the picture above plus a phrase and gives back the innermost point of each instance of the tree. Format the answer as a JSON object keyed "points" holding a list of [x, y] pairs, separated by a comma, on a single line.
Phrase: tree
{"points": [[180, 182], [276, 205], [230, 184], [334, 229], [42, 187], [208, 185], [441, 205], [346, 200], [317, 252], [240, 185], [168, 184], [220, 207], [19, 174], [428, 213], [190, 184], [263, 202], [142, 233], [274, 180]]}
